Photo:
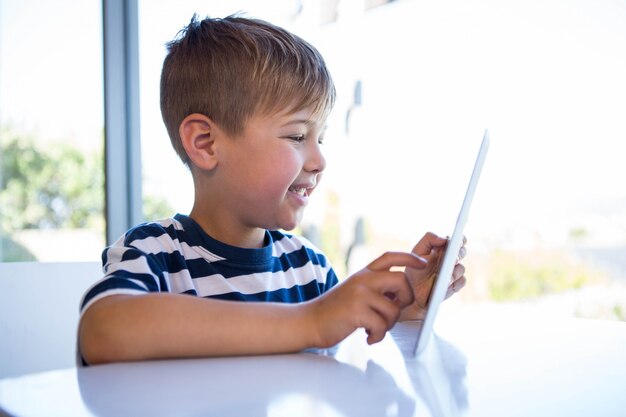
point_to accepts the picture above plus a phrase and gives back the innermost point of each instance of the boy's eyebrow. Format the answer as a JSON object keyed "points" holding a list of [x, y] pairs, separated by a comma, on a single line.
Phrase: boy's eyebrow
{"points": [[299, 121], [306, 122]]}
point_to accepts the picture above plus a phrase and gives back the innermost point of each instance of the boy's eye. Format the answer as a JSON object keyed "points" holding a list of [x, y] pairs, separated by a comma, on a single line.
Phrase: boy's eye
{"points": [[302, 138], [297, 138]]}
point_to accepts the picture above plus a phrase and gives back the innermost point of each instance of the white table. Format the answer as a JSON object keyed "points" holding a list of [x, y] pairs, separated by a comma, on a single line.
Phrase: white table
{"points": [[492, 362]]}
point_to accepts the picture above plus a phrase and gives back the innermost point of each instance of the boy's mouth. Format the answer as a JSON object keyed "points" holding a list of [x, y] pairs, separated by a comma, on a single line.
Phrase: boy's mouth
{"points": [[301, 191]]}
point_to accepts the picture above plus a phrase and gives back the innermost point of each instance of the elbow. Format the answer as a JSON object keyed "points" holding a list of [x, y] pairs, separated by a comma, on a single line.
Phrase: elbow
{"points": [[93, 343], [99, 340]]}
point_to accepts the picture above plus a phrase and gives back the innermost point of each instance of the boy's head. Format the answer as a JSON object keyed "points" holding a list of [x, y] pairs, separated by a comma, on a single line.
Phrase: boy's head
{"points": [[232, 68]]}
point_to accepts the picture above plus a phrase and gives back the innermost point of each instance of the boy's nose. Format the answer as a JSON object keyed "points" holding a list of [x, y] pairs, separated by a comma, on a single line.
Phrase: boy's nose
{"points": [[315, 161]]}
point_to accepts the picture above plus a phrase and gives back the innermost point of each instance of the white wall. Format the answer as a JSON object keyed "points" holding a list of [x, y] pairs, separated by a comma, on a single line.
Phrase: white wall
{"points": [[39, 314]]}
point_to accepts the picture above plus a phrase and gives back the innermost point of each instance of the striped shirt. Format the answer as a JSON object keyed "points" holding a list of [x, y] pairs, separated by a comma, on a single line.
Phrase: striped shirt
{"points": [[175, 255]]}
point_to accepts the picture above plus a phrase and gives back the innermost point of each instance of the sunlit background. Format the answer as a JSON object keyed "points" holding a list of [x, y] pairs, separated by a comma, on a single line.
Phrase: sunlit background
{"points": [[418, 83]]}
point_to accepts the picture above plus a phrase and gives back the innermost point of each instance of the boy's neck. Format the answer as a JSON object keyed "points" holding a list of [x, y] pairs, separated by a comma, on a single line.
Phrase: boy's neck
{"points": [[223, 230]]}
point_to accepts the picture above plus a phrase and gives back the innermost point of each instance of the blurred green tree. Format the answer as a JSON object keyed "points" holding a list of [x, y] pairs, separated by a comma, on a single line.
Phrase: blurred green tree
{"points": [[54, 185], [49, 187]]}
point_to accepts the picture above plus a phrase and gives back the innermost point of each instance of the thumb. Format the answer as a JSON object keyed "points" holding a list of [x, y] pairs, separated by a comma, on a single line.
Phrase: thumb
{"points": [[429, 242]]}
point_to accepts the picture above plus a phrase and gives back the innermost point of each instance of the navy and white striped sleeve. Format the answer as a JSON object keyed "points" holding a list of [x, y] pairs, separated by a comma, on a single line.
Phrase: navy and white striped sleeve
{"points": [[128, 270]]}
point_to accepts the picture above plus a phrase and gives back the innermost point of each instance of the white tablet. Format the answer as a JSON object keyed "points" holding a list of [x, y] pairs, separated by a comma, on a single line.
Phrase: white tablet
{"points": [[406, 333]]}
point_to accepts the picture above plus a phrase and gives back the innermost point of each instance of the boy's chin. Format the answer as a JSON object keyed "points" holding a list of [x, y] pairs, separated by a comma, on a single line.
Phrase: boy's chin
{"points": [[288, 222], [290, 225]]}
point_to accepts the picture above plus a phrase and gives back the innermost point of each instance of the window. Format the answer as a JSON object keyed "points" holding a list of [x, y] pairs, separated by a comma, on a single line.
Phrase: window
{"points": [[51, 131], [549, 223]]}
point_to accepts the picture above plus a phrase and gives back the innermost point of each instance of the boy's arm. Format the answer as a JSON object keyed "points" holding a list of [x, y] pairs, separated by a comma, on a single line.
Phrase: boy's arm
{"points": [[164, 325]]}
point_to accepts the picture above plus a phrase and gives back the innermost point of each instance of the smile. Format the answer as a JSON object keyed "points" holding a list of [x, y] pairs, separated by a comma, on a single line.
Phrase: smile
{"points": [[298, 190]]}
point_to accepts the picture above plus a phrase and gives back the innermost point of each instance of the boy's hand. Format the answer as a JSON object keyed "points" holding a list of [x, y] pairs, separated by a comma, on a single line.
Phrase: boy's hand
{"points": [[371, 298], [432, 248]]}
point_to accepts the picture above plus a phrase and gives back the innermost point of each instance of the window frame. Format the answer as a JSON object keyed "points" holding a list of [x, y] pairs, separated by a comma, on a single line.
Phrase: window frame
{"points": [[122, 141]]}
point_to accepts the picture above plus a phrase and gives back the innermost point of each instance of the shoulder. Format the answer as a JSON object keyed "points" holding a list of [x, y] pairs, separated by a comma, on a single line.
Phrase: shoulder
{"points": [[165, 228], [148, 238]]}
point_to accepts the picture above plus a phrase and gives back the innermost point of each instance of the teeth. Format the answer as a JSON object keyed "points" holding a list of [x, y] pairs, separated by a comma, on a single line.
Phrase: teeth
{"points": [[299, 191]]}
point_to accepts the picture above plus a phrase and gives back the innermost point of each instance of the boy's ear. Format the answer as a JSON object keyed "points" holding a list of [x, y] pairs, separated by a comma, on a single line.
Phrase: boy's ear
{"points": [[197, 134]]}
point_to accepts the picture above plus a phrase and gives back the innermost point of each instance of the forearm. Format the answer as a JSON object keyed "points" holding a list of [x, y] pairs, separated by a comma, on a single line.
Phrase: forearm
{"points": [[122, 328]]}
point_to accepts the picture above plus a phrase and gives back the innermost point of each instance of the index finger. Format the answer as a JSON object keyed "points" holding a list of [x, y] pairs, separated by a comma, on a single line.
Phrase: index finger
{"points": [[390, 259]]}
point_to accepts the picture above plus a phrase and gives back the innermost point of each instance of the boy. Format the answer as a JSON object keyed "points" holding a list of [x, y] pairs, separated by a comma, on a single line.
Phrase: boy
{"points": [[245, 105]]}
